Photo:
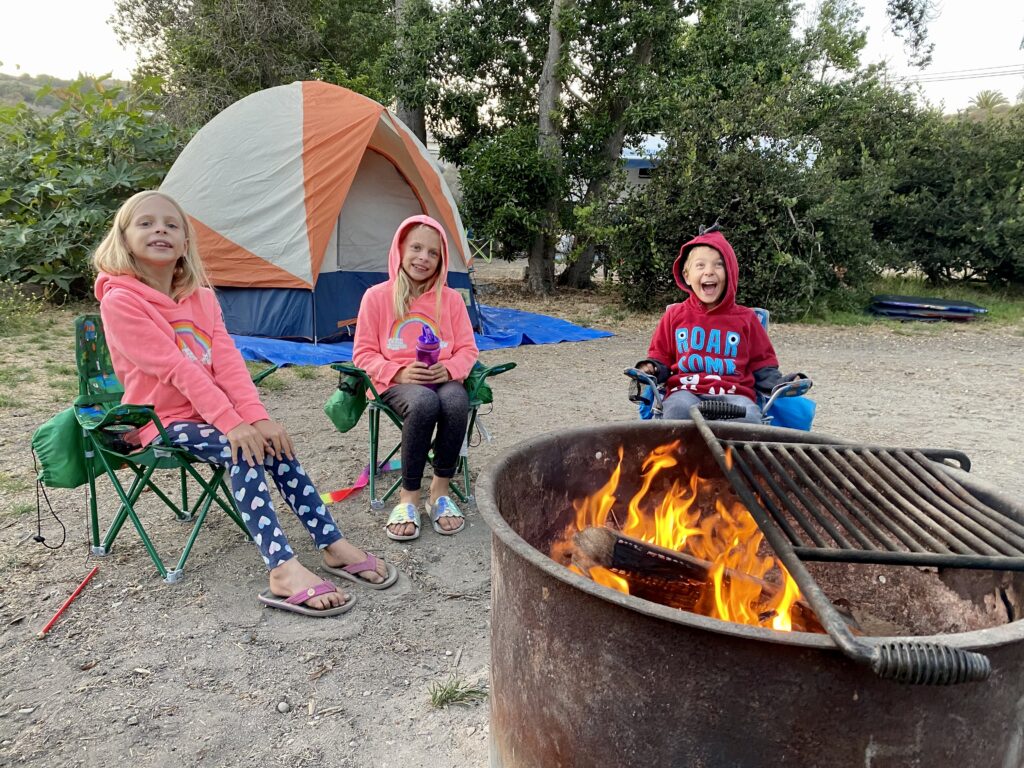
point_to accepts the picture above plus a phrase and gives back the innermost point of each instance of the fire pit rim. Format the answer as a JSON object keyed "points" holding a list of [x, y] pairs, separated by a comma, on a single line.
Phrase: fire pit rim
{"points": [[979, 639]]}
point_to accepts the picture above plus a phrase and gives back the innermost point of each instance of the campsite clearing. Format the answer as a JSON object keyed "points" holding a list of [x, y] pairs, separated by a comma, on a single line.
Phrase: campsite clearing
{"points": [[199, 674]]}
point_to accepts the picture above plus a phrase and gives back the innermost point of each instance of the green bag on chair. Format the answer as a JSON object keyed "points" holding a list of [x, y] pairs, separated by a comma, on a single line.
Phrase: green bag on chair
{"points": [[345, 407], [59, 447]]}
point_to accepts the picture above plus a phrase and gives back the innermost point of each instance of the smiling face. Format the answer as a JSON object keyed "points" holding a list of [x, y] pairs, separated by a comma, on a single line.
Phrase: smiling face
{"points": [[421, 255], [704, 272], [155, 236]]}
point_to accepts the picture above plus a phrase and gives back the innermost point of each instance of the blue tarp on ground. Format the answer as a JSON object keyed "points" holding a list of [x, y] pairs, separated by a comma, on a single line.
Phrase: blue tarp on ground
{"points": [[505, 328]]}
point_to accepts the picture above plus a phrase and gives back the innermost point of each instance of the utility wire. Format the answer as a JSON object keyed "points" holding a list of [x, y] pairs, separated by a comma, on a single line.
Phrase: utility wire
{"points": [[976, 73], [961, 77], [975, 69]]}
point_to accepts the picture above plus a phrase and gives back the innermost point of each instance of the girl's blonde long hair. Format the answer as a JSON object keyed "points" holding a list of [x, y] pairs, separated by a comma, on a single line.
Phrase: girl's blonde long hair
{"points": [[402, 292], [113, 257]]}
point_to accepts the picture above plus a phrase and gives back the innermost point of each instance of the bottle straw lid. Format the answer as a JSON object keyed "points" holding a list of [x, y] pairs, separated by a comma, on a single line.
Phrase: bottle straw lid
{"points": [[427, 335]]}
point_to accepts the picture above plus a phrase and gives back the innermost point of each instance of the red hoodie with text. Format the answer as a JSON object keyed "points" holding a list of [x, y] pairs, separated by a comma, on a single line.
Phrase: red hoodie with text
{"points": [[384, 344], [711, 350], [176, 356]]}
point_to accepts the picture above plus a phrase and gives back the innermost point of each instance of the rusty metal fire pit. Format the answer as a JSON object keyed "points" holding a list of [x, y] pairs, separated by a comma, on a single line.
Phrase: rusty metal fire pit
{"points": [[582, 675]]}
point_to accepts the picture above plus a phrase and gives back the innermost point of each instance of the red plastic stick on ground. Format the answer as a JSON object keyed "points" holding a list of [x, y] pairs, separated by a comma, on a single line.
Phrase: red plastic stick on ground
{"points": [[67, 602]]}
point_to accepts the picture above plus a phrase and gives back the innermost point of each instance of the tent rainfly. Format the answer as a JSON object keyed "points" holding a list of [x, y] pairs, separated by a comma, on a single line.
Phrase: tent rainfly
{"points": [[295, 193]]}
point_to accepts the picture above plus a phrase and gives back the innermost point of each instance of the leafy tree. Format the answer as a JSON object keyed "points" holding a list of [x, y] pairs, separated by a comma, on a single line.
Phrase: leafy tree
{"points": [[958, 205], [576, 72], [63, 175], [417, 28], [909, 19], [795, 164], [617, 69], [213, 52]]}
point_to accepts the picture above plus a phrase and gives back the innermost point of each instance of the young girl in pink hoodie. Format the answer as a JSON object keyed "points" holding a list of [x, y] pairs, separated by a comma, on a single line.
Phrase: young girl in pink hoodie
{"points": [[393, 316], [170, 348]]}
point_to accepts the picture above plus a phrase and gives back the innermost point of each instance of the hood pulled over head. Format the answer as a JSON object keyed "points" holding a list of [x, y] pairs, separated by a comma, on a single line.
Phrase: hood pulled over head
{"points": [[395, 254], [717, 241]]}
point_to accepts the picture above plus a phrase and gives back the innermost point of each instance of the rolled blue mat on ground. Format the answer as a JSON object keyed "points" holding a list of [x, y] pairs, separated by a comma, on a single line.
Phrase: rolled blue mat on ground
{"points": [[924, 308]]}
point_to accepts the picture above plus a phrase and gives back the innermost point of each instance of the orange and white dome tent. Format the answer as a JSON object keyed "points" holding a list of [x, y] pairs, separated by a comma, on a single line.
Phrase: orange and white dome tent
{"points": [[295, 193]]}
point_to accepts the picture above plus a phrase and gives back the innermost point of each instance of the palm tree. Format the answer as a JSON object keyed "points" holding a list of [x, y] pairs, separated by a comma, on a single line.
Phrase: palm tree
{"points": [[988, 100]]}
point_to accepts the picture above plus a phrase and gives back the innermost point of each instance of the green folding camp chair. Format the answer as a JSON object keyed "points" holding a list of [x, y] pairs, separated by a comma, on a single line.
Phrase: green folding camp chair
{"points": [[105, 421], [479, 394]]}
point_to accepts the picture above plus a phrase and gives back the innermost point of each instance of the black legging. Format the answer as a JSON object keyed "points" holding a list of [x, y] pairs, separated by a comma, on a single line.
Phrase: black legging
{"points": [[421, 409]]}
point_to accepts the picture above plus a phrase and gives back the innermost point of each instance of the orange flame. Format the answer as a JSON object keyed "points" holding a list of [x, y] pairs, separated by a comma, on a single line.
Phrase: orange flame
{"points": [[608, 578], [694, 517]]}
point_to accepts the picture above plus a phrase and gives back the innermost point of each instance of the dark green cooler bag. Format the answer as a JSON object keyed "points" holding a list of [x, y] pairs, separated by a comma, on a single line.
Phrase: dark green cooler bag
{"points": [[60, 449], [345, 407]]}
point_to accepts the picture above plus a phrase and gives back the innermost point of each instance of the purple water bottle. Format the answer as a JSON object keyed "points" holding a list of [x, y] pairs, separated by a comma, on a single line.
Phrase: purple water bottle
{"points": [[428, 347]]}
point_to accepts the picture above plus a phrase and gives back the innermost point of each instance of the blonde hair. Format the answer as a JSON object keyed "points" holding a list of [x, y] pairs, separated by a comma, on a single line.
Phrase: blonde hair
{"points": [[113, 257], [402, 291]]}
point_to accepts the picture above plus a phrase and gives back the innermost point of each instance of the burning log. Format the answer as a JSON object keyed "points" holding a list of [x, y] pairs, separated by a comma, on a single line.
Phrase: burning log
{"points": [[668, 577]]}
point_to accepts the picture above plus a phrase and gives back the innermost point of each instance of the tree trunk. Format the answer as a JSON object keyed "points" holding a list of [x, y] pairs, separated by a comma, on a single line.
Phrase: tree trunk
{"points": [[541, 274], [415, 120], [412, 115], [579, 273]]}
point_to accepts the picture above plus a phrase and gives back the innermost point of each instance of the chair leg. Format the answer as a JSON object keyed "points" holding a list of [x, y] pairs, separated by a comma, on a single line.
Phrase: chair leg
{"points": [[182, 513], [128, 510], [94, 518], [184, 494], [465, 493], [216, 483], [203, 504], [375, 503]]}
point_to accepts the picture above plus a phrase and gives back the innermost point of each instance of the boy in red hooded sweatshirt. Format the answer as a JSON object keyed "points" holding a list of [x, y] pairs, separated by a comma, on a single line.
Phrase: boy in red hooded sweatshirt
{"points": [[709, 346]]}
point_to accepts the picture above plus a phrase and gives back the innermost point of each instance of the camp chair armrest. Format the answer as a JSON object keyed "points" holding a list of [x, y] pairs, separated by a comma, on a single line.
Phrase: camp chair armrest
{"points": [[354, 370], [258, 377], [125, 414], [642, 377], [795, 387], [97, 399], [484, 373]]}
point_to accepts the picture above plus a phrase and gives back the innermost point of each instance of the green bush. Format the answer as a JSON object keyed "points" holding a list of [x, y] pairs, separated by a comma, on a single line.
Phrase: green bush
{"points": [[958, 205], [505, 183], [781, 212], [63, 175]]}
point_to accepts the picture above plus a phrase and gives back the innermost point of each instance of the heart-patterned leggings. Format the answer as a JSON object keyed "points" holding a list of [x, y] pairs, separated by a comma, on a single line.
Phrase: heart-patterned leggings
{"points": [[252, 495]]}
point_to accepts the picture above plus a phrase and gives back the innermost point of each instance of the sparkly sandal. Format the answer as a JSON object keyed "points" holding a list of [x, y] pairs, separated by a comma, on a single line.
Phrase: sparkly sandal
{"points": [[403, 513], [444, 507]]}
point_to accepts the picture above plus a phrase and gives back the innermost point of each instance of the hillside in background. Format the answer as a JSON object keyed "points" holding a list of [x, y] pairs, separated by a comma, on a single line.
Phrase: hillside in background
{"points": [[23, 88]]}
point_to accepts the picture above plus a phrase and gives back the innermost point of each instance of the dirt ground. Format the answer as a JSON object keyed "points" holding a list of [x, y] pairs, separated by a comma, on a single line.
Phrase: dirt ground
{"points": [[196, 673]]}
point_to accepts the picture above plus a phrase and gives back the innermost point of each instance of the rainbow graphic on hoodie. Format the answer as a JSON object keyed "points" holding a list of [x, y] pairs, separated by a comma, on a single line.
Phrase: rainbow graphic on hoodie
{"points": [[194, 343], [416, 320]]}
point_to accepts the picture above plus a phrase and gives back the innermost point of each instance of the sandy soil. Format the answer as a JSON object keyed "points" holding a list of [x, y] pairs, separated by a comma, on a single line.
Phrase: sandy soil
{"points": [[195, 673]]}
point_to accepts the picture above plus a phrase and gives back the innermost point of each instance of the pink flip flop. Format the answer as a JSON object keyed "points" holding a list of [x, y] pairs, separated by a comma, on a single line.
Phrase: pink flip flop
{"points": [[351, 572], [295, 603]]}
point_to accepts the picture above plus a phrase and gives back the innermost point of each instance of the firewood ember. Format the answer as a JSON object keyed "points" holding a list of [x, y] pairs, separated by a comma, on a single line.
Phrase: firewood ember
{"points": [[664, 576]]}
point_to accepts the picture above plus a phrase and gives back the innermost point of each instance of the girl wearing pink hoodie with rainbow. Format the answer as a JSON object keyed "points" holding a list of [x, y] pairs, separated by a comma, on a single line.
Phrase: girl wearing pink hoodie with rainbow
{"points": [[429, 397], [170, 348]]}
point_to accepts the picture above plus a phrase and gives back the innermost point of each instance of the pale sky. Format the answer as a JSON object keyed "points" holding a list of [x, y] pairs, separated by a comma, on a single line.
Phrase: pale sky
{"points": [[977, 44]]}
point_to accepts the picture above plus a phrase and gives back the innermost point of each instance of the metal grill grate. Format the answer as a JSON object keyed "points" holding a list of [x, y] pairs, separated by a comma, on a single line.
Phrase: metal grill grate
{"points": [[867, 504]]}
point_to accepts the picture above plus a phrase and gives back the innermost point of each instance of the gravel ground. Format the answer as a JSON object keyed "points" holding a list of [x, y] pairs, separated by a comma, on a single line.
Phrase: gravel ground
{"points": [[198, 673]]}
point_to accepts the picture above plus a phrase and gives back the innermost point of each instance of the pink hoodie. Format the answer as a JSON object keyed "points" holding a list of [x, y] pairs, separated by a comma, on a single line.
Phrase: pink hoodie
{"points": [[176, 356], [385, 344]]}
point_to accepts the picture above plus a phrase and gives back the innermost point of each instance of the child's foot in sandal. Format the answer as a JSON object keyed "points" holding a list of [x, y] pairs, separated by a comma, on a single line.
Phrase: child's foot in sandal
{"points": [[403, 522], [292, 578], [445, 516], [342, 553]]}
